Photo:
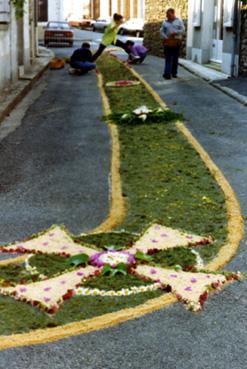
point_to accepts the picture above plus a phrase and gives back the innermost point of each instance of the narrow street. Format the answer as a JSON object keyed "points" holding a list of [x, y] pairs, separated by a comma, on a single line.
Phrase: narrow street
{"points": [[56, 157]]}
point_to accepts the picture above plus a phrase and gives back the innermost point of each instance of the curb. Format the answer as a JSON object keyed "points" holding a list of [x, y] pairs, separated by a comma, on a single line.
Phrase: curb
{"points": [[23, 91], [226, 90]]}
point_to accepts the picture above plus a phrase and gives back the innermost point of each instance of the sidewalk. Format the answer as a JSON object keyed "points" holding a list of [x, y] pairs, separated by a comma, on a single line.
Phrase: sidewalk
{"points": [[14, 93], [234, 87]]}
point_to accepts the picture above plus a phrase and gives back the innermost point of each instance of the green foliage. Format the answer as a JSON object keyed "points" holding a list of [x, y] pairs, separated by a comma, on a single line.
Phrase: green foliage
{"points": [[163, 178], [13, 274], [120, 281], [19, 8], [79, 308], [180, 256], [143, 257], [112, 272], [120, 240], [49, 265], [76, 260]]}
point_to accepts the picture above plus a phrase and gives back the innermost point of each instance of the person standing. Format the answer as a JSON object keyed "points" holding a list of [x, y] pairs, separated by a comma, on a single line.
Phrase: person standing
{"points": [[110, 36], [171, 32]]}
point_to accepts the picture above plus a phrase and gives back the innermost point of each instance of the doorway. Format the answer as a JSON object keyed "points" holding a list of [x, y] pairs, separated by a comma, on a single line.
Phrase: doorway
{"points": [[218, 32]]}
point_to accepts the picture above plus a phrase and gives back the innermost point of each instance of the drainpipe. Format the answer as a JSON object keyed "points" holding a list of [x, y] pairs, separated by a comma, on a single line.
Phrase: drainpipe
{"points": [[236, 37]]}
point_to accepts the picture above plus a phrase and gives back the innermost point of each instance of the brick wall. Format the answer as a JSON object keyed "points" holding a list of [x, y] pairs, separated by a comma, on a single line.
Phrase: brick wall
{"points": [[155, 13], [243, 44]]}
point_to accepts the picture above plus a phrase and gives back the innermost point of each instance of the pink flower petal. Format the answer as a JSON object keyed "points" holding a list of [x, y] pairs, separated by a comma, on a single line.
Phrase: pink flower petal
{"points": [[188, 289], [80, 274], [47, 289], [194, 280]]}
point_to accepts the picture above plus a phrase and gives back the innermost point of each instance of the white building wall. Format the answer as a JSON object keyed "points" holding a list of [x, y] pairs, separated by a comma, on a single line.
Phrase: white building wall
{"points": [[10, 48], [56, 10], [141, 9], [26, 36], [200, 36], [76, 9], [104, 9]]}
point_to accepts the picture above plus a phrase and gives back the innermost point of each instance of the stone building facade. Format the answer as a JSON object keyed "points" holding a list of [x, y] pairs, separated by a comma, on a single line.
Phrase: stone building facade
{"points": [[243, 44], [155, 13]]}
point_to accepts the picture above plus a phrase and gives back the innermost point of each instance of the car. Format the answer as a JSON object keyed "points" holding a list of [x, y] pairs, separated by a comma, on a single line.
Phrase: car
{"points": [[86, 23], [101, 24], [58, 33], [80, 23], [133, 26]]}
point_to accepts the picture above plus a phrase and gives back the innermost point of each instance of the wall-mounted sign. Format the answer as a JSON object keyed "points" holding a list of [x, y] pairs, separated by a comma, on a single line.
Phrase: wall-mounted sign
{"points": [[4, 11], [197, 13], [229, 6]]}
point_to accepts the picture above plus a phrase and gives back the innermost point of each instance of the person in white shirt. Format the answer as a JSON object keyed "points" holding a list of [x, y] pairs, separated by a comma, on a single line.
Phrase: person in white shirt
{"points": [[171, 32]]}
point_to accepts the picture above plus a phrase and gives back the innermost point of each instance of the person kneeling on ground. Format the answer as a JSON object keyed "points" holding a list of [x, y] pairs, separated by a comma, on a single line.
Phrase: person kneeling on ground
{"points": [[110, 36], [82, 59], [137, 52]]}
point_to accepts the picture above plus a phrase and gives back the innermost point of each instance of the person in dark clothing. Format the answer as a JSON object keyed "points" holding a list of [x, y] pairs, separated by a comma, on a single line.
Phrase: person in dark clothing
{"points": [[82, 59]]}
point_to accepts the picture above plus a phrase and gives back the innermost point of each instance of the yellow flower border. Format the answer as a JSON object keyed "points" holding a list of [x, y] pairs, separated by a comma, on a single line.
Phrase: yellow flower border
{"points": [[117, 211]]}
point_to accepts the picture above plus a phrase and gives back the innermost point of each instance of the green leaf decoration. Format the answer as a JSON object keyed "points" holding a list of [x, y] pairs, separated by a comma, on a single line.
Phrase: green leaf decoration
{"points": [[107, 270], [143, 257], [120, 269], [78, 260]]}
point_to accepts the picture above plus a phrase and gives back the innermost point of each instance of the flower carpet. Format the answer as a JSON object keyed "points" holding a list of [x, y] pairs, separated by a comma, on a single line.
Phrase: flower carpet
{"points": [[48, 294], [173, 222]]}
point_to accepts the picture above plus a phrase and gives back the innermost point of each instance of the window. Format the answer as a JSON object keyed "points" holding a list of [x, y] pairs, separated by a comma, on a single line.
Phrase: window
{"points": [[42, 10]]}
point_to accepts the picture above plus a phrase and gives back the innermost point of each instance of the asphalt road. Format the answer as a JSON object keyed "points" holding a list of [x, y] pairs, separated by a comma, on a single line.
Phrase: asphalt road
{"points": [[54, 165], [173, 338]]}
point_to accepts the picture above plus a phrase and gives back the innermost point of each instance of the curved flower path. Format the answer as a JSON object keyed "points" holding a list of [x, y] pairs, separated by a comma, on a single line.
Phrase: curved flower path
{"points": [[191, 288]]}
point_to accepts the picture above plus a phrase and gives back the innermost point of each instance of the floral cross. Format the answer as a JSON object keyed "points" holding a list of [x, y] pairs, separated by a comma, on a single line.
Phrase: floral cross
{"points": [[190, 288]]}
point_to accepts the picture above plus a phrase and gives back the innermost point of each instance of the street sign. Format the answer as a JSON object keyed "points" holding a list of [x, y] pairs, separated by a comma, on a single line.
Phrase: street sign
{"points": [[4, 11]]}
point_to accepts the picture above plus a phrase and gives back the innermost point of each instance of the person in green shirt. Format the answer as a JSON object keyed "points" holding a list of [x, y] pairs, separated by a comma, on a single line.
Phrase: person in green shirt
{"points": [[110, 36]]}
